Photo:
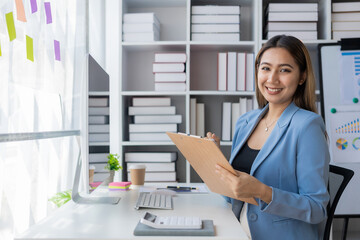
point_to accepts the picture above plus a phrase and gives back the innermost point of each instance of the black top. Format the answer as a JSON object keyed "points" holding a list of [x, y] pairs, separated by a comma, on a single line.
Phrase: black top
{"points": [[245, 158]]}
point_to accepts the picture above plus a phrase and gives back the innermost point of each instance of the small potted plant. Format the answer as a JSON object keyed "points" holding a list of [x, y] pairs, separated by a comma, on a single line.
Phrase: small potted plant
{"points": [[113, 165]]}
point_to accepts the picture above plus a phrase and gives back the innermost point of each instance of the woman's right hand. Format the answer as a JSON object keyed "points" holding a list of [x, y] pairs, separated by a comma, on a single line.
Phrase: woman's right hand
{"points": [[216, 139]]}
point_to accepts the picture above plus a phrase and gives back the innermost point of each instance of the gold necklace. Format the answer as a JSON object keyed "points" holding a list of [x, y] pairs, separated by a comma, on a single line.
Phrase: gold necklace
{"points": [[268, 126]]}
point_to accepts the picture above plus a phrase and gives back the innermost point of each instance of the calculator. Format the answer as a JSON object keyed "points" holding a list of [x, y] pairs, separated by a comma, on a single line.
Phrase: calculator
{"points": [[171, 222]]}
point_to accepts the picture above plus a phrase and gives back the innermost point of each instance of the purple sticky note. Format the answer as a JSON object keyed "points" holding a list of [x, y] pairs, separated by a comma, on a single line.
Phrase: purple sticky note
{"points": [[57, 50], [48, 12], [33, 6]]}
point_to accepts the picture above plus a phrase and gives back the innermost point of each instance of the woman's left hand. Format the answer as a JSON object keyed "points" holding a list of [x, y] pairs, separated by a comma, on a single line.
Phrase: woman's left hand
{"points": [[244, 185]]}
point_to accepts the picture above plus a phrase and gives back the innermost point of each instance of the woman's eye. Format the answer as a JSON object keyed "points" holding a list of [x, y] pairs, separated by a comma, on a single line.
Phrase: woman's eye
{"points": [[265, 68], [285, 70]]}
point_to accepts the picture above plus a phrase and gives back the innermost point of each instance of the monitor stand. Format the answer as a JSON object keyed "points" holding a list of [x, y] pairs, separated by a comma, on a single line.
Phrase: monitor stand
{"points": [[77, 198]]}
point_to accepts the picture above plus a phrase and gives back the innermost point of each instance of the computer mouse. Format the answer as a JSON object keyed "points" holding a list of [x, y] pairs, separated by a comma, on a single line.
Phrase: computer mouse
{"points": [[165, 192]]}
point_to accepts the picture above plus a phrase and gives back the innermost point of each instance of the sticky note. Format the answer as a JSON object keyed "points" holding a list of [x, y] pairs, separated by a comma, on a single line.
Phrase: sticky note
{"points": [[48, 12], [57, 50], [0, 49], [10, 25], [33, 6], [29, 48], [20, 10]]}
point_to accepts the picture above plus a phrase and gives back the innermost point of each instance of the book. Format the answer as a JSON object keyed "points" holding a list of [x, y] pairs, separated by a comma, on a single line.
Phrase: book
{"points": [[158, 127], [168, 67], [170, 77], [293, 16], [226, 122], [200, 119], [151, 101], [215, 28], [148, 137], [346, 26], [98, 157], [241, 71], [140, 27], [99, 110], [249, 104], [337, 35], [223, 37], [99, 128], [150, 156], [222, 72], [158, 176], [243, 105], [291, 26], [158, 119], [171, 86], [231, 71], [249, 84], [141, 37], [345, 17], [346, 7], [98, 102], [235, 114], [169, 110], [141, 18], [193, 106], [215, 9], [155, 167], [170, 57], [215, 19], [292, 7], [99, 137], [303, 35], [98, 119]]}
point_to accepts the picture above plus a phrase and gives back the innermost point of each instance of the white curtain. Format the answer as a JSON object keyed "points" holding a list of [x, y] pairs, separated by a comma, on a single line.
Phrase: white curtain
{"points": [[35, 96]]}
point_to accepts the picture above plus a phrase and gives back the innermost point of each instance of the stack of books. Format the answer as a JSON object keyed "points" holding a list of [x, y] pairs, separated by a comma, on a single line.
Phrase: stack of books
{"points": [[197, 118], [235, 71], [152, 118], [160, 166], [230, 114], [295, 19], [140, 27], [169, 71], [99, 161], [215, 23], [345, 20], [99, 119]]}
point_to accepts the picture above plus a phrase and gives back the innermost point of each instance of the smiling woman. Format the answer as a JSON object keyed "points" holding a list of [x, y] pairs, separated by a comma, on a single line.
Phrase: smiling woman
{"points": [[280, 150]]}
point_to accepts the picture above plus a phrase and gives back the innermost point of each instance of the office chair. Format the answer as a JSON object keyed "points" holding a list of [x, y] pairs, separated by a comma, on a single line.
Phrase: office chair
{"points": [[339, 178]]}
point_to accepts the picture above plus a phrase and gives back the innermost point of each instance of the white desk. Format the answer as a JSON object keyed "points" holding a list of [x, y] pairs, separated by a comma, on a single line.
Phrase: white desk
{"points": [[73, 221]]}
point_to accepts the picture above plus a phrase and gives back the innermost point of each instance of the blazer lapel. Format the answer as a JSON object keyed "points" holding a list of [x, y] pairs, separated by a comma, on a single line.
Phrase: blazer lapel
{"points": [[275, 136], [249, 128]]}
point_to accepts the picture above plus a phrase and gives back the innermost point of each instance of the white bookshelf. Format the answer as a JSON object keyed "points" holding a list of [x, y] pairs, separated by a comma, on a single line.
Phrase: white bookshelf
{"points": [[129, 65]]}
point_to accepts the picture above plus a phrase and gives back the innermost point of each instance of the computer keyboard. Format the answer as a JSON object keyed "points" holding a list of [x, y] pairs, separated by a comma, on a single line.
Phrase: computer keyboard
{"points": [[154, 200]]}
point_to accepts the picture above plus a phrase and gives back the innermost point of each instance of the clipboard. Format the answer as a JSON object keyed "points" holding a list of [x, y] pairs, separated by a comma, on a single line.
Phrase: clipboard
{"points": [[203, 155]]}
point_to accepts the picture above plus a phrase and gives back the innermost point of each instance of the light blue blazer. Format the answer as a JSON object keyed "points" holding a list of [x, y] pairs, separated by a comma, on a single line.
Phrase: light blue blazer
{"points": [[294, 162]]}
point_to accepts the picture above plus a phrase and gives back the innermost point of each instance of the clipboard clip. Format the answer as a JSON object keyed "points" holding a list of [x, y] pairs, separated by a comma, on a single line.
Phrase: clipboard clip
{"points": [[350, 44]]}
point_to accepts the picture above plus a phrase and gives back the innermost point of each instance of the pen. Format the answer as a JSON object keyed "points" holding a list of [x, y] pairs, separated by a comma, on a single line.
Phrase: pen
{"points": [[181, 188]]}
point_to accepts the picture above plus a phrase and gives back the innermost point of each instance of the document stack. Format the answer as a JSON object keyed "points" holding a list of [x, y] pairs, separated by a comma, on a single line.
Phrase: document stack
{"points": [[169, 71], [231, 113], [235, 71], [152, 118], [346, 20], [140, 27], [295, 19], [160, 166], [99, 119], [215, 23], [197, 118]]}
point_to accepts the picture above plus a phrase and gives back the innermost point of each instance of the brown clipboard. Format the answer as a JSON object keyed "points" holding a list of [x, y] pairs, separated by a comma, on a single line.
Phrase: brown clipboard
{"points": [[203, 155]]}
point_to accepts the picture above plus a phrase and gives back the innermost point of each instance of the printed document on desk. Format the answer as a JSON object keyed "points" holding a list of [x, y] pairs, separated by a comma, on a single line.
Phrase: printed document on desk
{"points": [[203, 155]]}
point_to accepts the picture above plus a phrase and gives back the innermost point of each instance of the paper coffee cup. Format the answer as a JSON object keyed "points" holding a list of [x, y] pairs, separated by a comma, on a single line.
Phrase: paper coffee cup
{"points": [[91, 173], [137, 174]]}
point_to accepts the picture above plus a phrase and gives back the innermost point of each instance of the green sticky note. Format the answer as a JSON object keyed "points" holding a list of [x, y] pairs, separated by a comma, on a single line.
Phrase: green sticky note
{"points": [[29, 48], [0, 49], [10, 25]]}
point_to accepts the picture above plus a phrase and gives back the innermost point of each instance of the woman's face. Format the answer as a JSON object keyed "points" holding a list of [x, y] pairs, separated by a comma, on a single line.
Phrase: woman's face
{"points": [[278, 76]]}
